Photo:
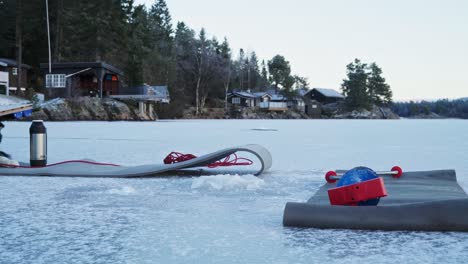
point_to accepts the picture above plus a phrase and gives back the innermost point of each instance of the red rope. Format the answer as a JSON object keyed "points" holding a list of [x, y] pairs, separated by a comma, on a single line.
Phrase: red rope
{"points": [[175, 157], [231, 160]]}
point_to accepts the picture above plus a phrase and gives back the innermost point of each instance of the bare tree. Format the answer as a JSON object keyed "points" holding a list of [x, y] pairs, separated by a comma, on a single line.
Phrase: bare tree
{"points": [[199, 59], [226, 83]]}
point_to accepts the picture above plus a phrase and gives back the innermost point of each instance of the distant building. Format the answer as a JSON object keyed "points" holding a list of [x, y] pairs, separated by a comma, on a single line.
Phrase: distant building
{"points": [[95, 79], [10, 67], [324, 96], [269, 100], [315, 98], [276, 102], [245, 99]]}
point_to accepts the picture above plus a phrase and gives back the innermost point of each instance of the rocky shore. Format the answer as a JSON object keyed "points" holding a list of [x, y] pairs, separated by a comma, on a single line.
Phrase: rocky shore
{"points": [[91, 108], [107, 109], [339, 111]]}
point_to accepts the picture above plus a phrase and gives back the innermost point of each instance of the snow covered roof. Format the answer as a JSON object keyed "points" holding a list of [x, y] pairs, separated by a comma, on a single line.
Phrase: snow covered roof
{"points": [[329, 92], [242, 94], [261, 94], [74, 66], [270, 93]]}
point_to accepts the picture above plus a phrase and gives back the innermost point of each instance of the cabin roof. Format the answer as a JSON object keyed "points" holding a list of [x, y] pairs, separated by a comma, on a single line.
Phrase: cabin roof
{"points": [[328, 92], [242, 94], [82, 65]]}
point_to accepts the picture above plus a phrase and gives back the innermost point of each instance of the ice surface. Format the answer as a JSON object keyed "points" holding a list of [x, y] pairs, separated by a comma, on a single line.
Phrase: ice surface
{"points": [[217, 220]]}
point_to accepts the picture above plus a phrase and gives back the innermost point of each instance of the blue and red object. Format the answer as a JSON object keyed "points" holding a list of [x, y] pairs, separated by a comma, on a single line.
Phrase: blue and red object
{"points": [[359, 186]]}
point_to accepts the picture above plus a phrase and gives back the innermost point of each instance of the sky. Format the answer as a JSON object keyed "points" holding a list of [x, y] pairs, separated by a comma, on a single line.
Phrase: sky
{"points": [[421, 45]]}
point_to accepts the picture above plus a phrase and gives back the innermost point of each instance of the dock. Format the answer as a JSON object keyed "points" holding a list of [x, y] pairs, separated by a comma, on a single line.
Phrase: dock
{"points": [[15, 107]]}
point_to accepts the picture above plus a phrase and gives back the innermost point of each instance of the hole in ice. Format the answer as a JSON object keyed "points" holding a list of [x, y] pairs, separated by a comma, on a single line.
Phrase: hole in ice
{"points": [[264, 129]]}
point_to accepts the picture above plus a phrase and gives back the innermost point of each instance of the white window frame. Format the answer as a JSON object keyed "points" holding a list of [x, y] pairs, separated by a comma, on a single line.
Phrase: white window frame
{"points": [[236, 100], [14, 71], [56, 81]]}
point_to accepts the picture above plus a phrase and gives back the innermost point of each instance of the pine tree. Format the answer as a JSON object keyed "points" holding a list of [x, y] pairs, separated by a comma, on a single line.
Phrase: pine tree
{"points": [[288, 90], [379, 91], [160, 61], [355, 86], [226, 64], [279, 70], [139, 45], [254, 71], [241, 69], [160, 22], [201, 62], [264, 82], [185, 49]]}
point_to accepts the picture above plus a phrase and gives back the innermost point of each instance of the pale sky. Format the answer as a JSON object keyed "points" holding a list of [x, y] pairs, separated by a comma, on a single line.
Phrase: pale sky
{"points": [[421, 45]]}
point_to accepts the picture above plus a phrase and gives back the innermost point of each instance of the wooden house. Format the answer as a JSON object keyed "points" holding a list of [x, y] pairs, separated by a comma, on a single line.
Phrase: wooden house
{"points": [[324, 96], [269, 100], [313, 109], [242, 99], [11, 68], [276, 102], [95, 79], [261, 97]]}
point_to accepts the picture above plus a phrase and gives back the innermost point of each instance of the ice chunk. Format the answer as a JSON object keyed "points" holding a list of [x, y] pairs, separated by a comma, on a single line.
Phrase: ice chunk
{"points": [[125, 190], [228, 182]]}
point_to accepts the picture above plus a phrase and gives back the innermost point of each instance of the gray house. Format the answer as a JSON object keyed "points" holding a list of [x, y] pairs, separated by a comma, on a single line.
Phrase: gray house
{"points": [[244, 99], [269, 101]]}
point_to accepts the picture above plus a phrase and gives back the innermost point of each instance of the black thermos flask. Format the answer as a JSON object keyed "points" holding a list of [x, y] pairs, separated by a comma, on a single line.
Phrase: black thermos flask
{"points": [[38, 144]]}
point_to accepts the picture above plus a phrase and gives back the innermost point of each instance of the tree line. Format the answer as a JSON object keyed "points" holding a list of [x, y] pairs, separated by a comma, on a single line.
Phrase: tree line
{"points": [[443, 108], [144, 43]]}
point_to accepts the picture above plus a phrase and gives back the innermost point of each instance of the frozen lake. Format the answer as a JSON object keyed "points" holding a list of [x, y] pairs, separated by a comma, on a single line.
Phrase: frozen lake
{"points": [[217, 219]]}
